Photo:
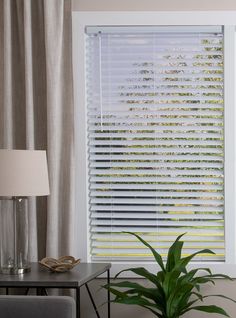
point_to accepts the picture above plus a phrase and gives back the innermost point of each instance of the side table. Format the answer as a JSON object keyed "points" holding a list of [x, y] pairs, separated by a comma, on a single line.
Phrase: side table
{"points": [[79, 276]]}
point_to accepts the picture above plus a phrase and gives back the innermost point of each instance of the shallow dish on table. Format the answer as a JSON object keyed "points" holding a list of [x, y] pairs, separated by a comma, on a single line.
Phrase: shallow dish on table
{"points": [[60, 265]]}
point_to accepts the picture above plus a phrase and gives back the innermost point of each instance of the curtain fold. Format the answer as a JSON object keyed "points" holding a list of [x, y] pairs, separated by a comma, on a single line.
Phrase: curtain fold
{"points": [[36, 111]]}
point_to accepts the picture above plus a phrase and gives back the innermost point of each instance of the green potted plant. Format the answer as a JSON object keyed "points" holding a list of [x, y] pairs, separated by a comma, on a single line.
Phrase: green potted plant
{"points": [[175, 289]]}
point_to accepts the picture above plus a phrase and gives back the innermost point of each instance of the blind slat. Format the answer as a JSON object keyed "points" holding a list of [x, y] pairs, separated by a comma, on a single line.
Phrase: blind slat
{"points": [[157, 216], [207, 195]]}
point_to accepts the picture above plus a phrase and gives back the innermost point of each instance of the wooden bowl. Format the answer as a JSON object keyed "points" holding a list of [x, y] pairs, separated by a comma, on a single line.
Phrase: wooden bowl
{"points": [[60, 265]]}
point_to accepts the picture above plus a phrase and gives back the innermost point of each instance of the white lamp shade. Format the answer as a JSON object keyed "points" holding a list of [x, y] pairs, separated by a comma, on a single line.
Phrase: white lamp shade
{"points": [[23, 173]]}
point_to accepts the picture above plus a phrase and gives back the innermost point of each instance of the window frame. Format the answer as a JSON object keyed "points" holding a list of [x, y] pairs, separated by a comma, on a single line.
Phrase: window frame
{"points": [[227, 19]]}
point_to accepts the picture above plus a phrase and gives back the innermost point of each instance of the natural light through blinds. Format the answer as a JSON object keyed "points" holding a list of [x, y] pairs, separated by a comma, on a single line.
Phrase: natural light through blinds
{"points": [[155, 140]]}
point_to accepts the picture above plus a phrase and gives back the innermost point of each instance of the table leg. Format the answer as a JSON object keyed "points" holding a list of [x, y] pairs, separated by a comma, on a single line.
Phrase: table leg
{"points": [[77, 302], [27, 291], [108, 296], [93, 303]]}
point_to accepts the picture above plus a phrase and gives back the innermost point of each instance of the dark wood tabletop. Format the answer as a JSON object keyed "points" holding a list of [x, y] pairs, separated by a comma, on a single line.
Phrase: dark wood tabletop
{"points": [[40, 276]]}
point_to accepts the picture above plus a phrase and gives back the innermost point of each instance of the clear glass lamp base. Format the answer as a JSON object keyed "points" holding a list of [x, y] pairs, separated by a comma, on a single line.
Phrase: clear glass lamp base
{"points": [[14, 270], [14, 236]]}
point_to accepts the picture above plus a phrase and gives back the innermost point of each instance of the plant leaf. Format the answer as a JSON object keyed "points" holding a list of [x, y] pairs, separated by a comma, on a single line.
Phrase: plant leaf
{"points": [[202, 280], [210, 309], [174, 253], [183, 262], [190, 275], [177, 297], [115, 292], [151, 293], [183, 308], [141, 271], [156, 255], [222, 296], [134, 300], [160, 276], [199, 296], [185, 303], [170, 281], [219, 276]]}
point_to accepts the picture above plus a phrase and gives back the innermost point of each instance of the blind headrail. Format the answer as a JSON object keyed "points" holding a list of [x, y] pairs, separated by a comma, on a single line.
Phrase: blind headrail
{"points": [[152, 29]]}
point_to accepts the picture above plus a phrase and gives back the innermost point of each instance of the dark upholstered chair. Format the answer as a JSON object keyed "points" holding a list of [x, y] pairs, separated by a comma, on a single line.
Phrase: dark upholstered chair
{"points": [[37, 307]]}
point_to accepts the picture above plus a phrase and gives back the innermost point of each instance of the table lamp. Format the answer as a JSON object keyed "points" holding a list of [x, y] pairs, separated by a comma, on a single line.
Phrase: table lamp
{"points": [[23, 173]]}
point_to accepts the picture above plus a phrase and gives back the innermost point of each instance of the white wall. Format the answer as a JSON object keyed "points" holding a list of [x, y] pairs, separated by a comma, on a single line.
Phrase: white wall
{"points": [[149, 5]]}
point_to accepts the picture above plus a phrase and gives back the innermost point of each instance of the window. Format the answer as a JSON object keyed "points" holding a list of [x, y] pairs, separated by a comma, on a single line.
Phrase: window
{"points": [[155, 140]]}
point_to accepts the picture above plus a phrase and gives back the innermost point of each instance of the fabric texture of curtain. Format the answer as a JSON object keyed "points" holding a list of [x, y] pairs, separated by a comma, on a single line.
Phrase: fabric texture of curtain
{"points": [[36, 111]]}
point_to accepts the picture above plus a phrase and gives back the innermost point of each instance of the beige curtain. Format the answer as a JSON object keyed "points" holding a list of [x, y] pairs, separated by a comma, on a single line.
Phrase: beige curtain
{"points": [[36, 110]]}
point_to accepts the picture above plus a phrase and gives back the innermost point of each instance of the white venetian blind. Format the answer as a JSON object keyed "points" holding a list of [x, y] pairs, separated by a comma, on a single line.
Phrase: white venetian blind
{"points": [[155, 140]]}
